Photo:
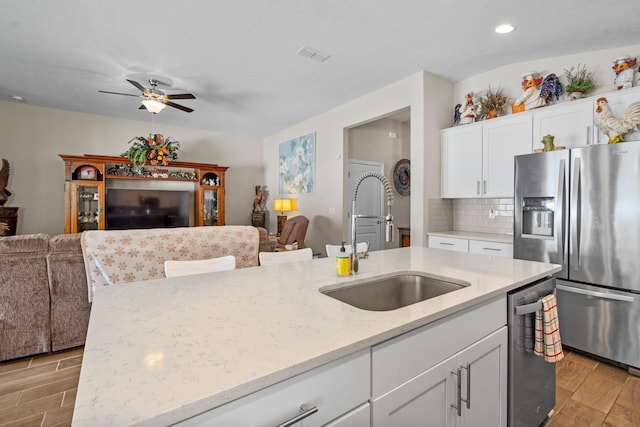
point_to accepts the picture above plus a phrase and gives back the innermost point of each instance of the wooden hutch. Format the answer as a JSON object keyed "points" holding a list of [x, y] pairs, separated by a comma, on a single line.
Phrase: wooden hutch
{"points": [[89, 177]]}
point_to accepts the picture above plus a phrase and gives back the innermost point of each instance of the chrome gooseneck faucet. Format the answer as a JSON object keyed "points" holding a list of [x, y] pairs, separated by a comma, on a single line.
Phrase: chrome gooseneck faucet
{"points": [[388, 219]]}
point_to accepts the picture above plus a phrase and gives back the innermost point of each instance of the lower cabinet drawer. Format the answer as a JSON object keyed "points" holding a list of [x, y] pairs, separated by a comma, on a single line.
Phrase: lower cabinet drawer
{"points": [[491, 248], [335, 389], [449, 243]]}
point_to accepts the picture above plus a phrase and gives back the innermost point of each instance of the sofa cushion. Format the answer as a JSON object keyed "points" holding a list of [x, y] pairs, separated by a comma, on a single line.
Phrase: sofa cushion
{"points": [[24, 243], [66, 243]]}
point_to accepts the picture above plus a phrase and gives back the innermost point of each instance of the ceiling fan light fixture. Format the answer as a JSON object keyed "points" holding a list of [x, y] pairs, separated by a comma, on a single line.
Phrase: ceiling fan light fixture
{"points": [[504, 29], [153, 106]]}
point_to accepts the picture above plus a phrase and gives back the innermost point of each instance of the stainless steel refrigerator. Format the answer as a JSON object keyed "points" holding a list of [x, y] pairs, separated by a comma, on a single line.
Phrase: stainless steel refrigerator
{"points": [[581, 208]]}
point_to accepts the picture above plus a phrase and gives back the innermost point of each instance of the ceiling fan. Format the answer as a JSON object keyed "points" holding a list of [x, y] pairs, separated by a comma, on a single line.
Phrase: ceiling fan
{"points": [[155, 100]]}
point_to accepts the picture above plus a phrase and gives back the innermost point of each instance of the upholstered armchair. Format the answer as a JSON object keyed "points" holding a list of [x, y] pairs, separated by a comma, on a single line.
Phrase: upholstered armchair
{"points": [[294, 230]]}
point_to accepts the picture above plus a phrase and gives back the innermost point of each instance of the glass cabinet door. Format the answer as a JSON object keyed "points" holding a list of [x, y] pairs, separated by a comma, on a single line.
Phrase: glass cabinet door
{"points": [[210, 207], [86, 209]]}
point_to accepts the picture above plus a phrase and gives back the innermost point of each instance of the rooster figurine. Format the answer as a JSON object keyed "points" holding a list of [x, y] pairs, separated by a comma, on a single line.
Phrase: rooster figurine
{"points": [[616, 128], [4, 181]]}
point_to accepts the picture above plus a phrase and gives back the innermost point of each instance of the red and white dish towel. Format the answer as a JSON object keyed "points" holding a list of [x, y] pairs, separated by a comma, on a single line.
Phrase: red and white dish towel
{"points": [[547, 331]]}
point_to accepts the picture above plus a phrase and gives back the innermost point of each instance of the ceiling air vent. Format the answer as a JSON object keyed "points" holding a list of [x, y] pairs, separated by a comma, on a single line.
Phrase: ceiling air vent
{"points": [[311, 53]]}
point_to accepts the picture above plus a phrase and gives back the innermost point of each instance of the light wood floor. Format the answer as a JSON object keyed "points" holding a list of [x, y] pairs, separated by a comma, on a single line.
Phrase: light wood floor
{"points": [[592, 393], [41, 391]]}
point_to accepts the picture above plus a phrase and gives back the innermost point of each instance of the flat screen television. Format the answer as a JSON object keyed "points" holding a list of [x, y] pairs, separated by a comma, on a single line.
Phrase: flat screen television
{"points": [[132, 208]]}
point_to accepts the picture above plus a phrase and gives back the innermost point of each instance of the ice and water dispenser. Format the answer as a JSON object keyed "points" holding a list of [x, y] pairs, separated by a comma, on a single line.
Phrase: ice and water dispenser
{"points": [[537, 217]]}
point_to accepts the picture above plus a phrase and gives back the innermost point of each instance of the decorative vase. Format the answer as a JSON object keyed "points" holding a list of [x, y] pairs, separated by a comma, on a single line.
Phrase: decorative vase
{"points": [[576, 94]]}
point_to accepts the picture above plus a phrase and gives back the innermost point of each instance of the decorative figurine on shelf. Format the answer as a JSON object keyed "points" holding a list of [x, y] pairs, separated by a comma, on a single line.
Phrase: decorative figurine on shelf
{"points": [[625, 74], [456, 114], [469, 111], [4, 181], [551, 88], [616, 128], [531, 97], [547, 142]]}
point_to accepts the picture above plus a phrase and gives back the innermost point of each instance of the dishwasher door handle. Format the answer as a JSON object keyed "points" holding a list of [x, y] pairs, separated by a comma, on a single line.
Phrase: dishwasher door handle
{"points": [[596, 294]]}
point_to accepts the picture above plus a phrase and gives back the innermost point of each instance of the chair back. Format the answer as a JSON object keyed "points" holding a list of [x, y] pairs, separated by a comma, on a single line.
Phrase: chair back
{"points": [[269, 258], [334, 250], [294, 230], [186, 268]]}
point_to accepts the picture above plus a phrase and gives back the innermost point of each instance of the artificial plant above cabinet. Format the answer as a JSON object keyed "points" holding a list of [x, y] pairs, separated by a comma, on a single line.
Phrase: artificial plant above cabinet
{"points": [[477, 159]]}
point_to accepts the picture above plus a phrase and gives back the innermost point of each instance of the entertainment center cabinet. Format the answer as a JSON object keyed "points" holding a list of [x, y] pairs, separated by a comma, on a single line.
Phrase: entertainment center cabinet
{"points": [[108, 192]]}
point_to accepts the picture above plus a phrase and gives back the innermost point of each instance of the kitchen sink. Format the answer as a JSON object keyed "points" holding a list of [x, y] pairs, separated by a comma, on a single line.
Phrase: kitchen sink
{"points": [[396, 291]]}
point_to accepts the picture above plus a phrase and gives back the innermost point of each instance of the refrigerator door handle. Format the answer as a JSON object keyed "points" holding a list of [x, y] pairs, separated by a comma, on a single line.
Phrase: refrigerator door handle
{"points": [[575, 216], [560, 221], [596, 294]]}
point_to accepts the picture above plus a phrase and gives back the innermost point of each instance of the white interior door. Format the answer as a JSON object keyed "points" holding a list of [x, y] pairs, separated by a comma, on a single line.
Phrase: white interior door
{"points": [[370, 202]]}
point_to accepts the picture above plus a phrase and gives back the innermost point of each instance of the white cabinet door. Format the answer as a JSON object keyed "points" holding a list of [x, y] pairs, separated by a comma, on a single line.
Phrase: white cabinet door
{"points": [[461, 161], [484, 382], [434, 397], [619, 102], [570, 123], [425, 400], [502, 140]]}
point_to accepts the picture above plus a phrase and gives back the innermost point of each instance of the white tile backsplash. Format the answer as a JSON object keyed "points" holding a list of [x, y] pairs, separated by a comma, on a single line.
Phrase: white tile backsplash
{"points": [[475, 215], [440, 215]]}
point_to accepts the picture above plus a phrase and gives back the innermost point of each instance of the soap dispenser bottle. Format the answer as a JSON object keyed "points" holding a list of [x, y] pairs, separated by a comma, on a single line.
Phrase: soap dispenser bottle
{"points": [[342, 262]]}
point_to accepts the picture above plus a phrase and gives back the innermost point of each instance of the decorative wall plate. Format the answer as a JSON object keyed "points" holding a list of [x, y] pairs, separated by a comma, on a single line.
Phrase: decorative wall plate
{"points": [[402, 177]]}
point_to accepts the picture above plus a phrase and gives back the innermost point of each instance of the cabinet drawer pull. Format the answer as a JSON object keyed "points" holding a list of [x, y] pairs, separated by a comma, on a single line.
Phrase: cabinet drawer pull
{"points": [[485, 187], [492, 249], [478, 188], [301, 416], [445, 243]]}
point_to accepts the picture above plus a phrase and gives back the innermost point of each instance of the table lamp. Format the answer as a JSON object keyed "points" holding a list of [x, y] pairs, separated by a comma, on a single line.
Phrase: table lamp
{"points": [[284, 205]]}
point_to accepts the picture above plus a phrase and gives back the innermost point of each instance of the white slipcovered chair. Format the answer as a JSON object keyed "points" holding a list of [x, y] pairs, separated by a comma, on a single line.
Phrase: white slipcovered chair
{"points": [[268, 258], [185, 268]]}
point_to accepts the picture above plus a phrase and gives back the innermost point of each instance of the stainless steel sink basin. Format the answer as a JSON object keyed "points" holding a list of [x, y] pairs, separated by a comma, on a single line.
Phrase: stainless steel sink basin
{"points": [[392, 292]]}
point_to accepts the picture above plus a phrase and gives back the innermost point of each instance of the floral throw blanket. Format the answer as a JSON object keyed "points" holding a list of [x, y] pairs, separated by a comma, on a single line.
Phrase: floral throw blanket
{"points": [[123, 256]]}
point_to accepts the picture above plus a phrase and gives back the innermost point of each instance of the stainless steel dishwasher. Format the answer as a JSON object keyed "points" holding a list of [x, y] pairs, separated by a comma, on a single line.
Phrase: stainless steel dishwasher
{"points": [[531, 380]]}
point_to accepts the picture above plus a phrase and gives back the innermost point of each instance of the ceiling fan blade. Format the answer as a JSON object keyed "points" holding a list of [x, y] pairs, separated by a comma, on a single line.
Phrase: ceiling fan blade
{"points": [[181, 96], [118, 93], [179, 107], [136, 84]]}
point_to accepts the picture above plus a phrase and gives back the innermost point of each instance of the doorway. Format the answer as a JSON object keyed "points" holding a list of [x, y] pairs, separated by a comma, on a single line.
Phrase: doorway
{"points": [[385, 140]]}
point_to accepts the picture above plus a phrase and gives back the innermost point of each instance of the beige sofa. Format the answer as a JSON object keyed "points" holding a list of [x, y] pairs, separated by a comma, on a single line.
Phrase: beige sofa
{"points": [[43, 287]]}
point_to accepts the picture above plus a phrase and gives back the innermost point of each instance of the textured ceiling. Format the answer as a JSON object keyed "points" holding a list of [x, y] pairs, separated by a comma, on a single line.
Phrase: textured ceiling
{"points": [[239, 57]]}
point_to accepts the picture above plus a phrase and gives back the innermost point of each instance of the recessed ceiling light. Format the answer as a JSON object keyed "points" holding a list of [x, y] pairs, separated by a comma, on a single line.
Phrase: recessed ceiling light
{"points": [[17, 98], [504, 29]]}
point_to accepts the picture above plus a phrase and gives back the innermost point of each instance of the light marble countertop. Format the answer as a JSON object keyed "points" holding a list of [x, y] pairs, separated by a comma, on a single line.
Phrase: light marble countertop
{"points": [[473, 235], [164, 350]]}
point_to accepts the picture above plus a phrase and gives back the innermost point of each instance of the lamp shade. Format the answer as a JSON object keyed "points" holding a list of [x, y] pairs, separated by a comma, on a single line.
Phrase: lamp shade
{"points": [[153, 106], [285, 205]]}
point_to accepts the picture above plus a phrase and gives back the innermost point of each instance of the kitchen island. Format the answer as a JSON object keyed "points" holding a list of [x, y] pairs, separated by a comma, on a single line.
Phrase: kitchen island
{"points": [[161, 351]]}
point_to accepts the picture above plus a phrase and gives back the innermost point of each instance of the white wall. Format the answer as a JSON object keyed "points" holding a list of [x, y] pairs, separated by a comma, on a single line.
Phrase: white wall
{"points": [[509, 77], [371, 142], [427, 96], [32, 137]]}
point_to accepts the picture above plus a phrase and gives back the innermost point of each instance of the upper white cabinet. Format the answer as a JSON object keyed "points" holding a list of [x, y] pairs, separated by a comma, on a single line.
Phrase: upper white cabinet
{"points": [[501, 142], [477, 159], [461, 161], [571, 124]]}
